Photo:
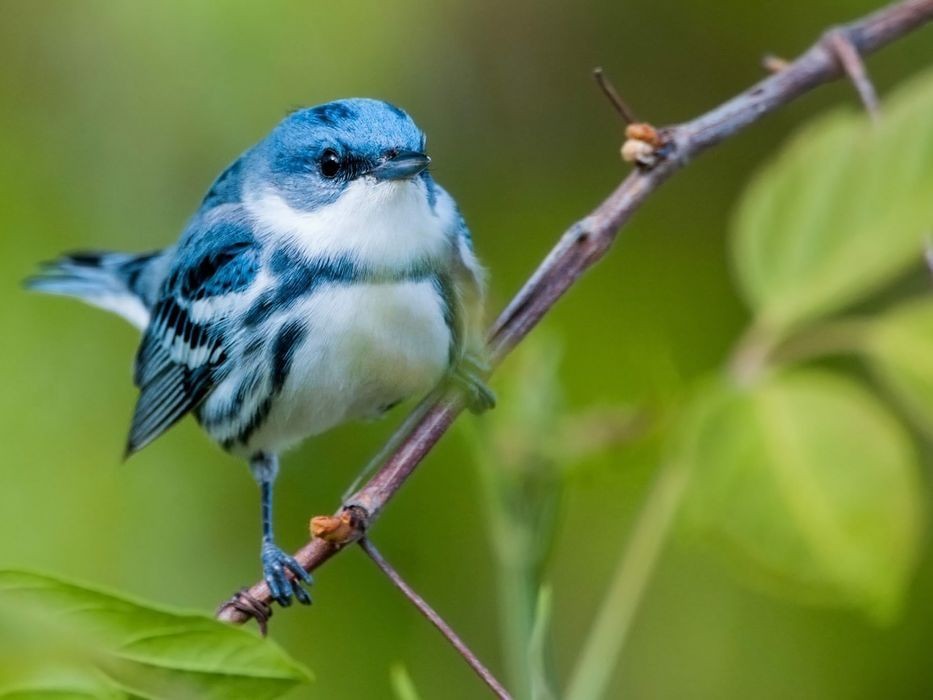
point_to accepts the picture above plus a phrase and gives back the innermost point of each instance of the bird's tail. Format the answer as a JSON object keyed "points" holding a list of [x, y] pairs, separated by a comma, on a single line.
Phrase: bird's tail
{"points": [[124, 283]]}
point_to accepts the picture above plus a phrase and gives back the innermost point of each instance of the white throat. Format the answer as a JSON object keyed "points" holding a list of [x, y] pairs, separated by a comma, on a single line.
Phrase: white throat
{"points": [[383, 224]]}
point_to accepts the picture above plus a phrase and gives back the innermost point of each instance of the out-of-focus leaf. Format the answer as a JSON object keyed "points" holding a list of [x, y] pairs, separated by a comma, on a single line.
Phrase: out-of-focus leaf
{"points": [[402, 684], [839, 212], [518, 462], [812, 482], [901, 351], [49, 691], [539, 663], [596, 431], [61, 694], [155, 652], [612, 625], [55, 678]]}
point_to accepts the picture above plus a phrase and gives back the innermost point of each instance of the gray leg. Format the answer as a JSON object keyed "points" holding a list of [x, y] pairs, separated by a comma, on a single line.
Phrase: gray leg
{"points": [[276, 564]]}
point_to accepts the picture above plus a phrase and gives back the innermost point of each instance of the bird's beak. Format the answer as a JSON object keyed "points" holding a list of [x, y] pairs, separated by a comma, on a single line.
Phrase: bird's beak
{"points": [[403, 164]]}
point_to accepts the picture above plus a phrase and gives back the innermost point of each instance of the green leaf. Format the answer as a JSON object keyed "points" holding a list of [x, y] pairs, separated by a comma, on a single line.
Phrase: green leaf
{"points": [[55, 678], [539, 664], [812, 484], [37, 693], [152, 651], [99, 689], [901, 351], [402, 684], [841, 211]]}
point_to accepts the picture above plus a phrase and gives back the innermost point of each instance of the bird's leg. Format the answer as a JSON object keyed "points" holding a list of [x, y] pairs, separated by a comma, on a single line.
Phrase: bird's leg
{"points": [[469, 374], [276, 564]]}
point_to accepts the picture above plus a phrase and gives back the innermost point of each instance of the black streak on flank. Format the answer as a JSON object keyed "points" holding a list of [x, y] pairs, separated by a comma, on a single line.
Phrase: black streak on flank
{"points": [[255, 421], [444, 287], [261, 309], [283, 352]]}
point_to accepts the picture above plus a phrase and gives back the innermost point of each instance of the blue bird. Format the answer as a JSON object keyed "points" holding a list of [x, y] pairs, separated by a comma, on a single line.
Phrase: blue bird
{"points": [[326, 277]]}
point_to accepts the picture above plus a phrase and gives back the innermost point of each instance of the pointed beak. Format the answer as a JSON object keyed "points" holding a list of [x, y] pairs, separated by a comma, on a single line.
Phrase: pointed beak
{"points": [[402, 165]]}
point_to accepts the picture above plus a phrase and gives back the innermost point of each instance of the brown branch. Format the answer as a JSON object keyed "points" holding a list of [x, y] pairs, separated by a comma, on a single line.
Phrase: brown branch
{"points": [[435, 619], [854, 67], [588, 240]]}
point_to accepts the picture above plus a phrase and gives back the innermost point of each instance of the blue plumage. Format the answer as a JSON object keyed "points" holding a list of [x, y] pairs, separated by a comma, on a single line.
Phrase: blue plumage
{"points": [[324, 278]]}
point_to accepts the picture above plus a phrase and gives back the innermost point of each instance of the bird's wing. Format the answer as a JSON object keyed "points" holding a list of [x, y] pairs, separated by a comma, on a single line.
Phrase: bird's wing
{"points": [[470, 279], [187, 344]]}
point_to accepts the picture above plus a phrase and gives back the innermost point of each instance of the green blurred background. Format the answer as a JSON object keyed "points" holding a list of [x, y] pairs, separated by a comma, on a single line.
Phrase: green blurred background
{"points": [[114, 119]]}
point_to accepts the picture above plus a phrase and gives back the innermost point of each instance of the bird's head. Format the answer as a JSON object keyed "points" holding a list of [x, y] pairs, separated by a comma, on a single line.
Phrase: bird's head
{"points": [[316, 154]]}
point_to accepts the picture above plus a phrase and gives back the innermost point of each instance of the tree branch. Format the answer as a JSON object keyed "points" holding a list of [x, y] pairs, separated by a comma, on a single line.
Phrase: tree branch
{"points": [[589, 239], [490, 680]]}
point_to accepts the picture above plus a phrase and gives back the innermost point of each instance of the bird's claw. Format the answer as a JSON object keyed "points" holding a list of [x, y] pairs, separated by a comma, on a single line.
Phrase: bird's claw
{"points": [[284, 576], [469, 375]]}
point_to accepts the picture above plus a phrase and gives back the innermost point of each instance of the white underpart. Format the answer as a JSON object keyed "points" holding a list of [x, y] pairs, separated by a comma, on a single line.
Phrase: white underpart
{"points": [[384, 224], [367, 346]]}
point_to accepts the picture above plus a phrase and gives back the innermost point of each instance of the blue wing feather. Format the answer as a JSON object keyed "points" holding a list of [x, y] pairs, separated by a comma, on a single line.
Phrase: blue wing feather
{"points": [[181, 358]]}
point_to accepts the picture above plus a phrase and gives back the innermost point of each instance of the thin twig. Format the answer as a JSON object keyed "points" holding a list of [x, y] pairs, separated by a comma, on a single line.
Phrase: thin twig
{"points": [[854, 67], [615, 99], [588, 240], [435, 620]]}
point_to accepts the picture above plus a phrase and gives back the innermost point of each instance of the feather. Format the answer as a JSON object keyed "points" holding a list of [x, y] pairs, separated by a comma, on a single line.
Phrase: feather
{"points": [[180, 360], [123, 283]]}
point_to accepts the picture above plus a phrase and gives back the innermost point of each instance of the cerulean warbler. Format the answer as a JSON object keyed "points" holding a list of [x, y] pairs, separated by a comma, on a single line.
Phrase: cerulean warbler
{"points": [[325, 277]]}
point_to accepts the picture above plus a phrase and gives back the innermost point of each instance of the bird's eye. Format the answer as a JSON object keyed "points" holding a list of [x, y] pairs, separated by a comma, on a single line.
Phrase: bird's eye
{"points": [[330, 163]]}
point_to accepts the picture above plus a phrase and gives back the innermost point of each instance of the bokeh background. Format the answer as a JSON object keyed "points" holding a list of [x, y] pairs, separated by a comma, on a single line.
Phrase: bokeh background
{"points": [[114, 119]]}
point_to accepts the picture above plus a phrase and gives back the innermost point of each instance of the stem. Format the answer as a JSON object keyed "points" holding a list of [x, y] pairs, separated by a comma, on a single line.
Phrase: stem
{"points": [[516, 620], [515, 583], [752, 354], [613, 622], [435, 620], [542, 685], [759, 349], [837, 337]]}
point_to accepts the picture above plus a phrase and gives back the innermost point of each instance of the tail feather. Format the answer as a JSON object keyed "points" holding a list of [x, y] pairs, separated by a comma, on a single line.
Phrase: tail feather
{"points": [[120, 282]]}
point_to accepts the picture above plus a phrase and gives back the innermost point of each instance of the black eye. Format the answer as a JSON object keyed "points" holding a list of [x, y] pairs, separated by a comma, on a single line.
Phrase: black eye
{"points": [[330, 163]]}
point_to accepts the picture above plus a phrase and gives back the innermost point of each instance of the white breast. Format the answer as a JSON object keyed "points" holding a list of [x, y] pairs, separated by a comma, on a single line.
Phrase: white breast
{"points": [[381, 224], [367, 346]]}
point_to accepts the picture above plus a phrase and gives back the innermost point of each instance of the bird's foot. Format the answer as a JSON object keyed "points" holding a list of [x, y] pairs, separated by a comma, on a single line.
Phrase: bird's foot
{"points": [[469, 375], [284, 576]]}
